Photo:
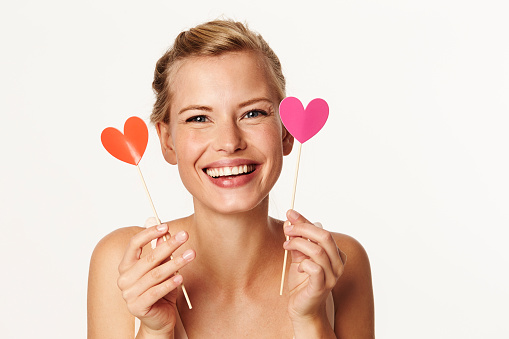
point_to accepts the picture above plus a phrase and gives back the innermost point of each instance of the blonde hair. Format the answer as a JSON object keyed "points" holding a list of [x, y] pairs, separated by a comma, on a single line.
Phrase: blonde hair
{"points": [[210, 39]]}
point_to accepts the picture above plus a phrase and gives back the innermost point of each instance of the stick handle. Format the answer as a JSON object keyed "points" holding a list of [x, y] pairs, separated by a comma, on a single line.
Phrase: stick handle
{"points": [[296, 176], [292, 205], [148, 195], [164, 236]]}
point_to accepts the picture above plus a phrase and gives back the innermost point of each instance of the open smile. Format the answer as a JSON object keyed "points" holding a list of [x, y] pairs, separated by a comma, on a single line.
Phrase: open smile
{"points": [[230, 171]]}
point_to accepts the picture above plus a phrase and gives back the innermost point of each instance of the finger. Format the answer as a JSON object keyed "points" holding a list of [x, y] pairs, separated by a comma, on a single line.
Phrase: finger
{"points": [[317, 280], [143, 304], [160, 240], [303, 228], [317, 254], [296, 256], [342, 254], [158, 255], [136, 244], [318, 224], [152, 221], [295, 217], [158, 275]]}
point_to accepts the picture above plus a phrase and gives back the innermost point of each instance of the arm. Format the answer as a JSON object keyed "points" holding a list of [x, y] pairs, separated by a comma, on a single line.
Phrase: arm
{"points": [[123, 283], [353, 293], [314, 271], [107, 313], [317, 269]]}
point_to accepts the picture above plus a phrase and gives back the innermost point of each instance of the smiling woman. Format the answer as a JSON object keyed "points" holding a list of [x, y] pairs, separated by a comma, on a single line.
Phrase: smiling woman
{"points": [[226, 117], [218, 91]]}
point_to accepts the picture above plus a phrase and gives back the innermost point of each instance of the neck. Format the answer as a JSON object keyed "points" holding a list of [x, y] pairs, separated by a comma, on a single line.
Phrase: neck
{"points": [[235, 250]]}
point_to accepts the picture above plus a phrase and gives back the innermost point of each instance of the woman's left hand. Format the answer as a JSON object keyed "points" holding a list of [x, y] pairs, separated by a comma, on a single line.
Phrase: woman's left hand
{"points": [[316, 266]]}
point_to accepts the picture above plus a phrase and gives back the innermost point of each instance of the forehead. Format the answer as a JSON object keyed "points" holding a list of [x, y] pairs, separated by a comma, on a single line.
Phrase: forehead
{"points": [[217, 80]]}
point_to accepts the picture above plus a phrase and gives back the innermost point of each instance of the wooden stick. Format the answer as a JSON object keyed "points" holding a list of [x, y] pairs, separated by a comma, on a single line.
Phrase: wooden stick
{"points": [[164, 236], [292, 204], [148, 195]]}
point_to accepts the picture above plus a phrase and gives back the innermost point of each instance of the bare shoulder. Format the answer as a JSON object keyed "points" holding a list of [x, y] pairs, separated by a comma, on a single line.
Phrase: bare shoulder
{"points": [[105, 305], [357, 269], [354, 251], [109, 250], [353, 294], [115, 241], [107, 256]]}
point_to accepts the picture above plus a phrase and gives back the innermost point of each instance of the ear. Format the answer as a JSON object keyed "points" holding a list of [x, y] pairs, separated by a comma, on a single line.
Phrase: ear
{"points": [[287, 141], [163, 131]]}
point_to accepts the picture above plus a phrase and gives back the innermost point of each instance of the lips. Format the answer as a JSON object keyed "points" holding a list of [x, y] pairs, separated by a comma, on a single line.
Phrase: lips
{"points": [[228, 171], [231, 173]]}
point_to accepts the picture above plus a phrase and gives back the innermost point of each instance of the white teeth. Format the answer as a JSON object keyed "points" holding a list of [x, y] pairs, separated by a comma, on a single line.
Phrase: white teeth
{"points": [[229, 171]]}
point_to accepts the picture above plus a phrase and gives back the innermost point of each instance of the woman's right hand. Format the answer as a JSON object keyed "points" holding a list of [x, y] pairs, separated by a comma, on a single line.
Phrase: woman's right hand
{"points": [[149, 284]]}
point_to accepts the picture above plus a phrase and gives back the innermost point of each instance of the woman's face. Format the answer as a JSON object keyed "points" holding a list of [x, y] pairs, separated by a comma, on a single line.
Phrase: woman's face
{"points": [[225, 133]]}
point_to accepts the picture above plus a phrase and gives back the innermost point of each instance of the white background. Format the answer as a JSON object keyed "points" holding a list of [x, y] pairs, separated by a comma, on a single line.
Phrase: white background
{"points": [[413, 161]]}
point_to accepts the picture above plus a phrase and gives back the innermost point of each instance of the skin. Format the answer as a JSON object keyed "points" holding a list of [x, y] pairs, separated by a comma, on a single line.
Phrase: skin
{"points": [[229, 253]]}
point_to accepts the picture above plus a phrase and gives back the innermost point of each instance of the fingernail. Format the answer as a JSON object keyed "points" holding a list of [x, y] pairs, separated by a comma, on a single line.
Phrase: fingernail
{"points": [[188, 255], [162, 227], [177, 279], [288, 226], [293, 214], [181, 236], [286, 243]]}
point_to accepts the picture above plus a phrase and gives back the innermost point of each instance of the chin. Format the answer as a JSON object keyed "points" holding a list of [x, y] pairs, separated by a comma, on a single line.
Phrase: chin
{"points": [[235, 205]]}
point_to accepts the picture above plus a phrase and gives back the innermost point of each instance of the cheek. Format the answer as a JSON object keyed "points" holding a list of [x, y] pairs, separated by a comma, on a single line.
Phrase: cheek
{"points": [[272, 138], [188, 146], [269, 142], [188, 149]]}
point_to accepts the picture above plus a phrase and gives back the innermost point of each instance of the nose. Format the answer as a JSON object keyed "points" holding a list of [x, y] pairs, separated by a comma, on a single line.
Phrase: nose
{"points": [[229, 137]]}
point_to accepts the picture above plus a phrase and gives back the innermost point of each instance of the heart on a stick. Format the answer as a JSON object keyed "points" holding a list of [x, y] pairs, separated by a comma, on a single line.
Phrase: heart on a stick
{"points": [[129, 146], [302, 123]]}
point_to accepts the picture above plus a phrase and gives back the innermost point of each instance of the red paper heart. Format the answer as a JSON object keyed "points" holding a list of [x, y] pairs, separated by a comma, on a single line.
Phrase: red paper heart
{"points": [[302, 123], [130, 146]]}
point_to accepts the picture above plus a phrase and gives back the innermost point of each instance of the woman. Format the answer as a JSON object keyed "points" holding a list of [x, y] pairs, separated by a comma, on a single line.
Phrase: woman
{"points": [[216, 113]]}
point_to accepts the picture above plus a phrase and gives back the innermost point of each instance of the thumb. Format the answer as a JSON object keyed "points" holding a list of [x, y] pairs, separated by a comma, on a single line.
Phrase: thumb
{"points": [[294, 217], [152, 221]]}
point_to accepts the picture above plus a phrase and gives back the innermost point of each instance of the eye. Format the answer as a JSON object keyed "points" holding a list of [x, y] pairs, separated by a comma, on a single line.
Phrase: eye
{"points": [[254, 113], [197, 118]]}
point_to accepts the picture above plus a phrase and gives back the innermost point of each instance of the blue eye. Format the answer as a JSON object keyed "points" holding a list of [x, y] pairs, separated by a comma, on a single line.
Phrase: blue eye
{"points": [[254, 114], [197, 118]]}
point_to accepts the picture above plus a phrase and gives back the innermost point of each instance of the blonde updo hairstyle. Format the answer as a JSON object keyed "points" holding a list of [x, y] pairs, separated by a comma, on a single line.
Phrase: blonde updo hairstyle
{"points": [[210, 39]]}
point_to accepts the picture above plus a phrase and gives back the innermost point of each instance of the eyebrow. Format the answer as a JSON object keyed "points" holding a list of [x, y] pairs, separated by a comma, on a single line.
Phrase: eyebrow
{"points": [[253, 101], [209, 109], [195, 107]]}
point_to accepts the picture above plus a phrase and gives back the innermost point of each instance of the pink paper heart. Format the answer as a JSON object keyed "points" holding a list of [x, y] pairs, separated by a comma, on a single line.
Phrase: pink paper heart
{"points": [[129, 146], [302, 123]]}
